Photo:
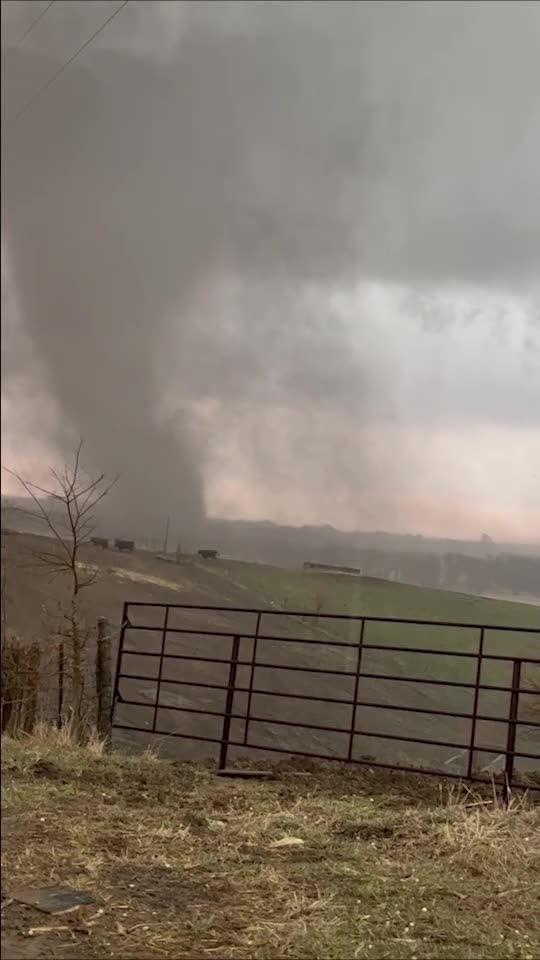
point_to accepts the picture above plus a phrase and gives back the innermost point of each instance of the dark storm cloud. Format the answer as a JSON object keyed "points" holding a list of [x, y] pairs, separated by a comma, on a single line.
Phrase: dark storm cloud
{"points": [[284, 145]]}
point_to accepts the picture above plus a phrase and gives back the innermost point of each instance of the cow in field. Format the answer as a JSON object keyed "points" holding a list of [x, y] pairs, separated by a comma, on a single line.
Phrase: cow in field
{"points": [[127, 546], [100, 542]]}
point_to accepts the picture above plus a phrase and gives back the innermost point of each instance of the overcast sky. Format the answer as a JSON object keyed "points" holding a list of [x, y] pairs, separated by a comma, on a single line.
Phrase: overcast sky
{"points": [[298, 242]]}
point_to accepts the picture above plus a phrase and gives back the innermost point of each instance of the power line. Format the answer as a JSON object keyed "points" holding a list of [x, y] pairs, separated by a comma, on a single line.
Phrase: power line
{"points": [[29, 29], [64, 66]]}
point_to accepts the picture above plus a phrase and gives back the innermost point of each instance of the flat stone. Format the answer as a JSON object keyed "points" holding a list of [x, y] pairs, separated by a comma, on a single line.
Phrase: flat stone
{"points": [[261, 774], [53, 900], [246, 774]]}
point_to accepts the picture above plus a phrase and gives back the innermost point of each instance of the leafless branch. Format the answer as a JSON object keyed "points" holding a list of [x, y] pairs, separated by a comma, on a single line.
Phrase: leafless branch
{"points": [[75, 495], [43, 513]]}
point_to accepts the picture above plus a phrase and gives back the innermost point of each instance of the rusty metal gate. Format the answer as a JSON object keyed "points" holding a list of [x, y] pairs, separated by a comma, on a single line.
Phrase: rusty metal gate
{"points": [[159, 641]]}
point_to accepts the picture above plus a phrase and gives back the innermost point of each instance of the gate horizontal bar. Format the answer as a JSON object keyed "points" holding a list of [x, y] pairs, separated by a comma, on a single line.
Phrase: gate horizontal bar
{"points": [[325, 729], [182, 631], [263, 664], [311, 614], [321, 699]]}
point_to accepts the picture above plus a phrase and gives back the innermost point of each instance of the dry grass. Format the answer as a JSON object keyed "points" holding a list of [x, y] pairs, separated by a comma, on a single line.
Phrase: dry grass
{"points": [[187, 865]]}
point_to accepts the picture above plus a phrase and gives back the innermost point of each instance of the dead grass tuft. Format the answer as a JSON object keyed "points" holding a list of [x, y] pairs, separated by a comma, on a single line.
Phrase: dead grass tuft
{"points": [[336, 864]]}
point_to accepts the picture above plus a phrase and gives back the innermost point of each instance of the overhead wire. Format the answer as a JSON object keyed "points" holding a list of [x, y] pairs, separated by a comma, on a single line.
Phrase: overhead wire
{"points": [[29, 29], [29, 103]]}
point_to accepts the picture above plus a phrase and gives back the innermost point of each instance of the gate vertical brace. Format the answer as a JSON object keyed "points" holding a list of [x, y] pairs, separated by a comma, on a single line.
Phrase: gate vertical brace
{"points": [[474, 717], [116, 690], [356, 684], [160, 672], [251, 676], [511, 737], [222, 763]]}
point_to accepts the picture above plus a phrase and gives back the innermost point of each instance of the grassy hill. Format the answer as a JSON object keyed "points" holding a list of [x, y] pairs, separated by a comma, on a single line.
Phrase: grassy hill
{"points": [[34, 605], [326, 594], [369, 597]]}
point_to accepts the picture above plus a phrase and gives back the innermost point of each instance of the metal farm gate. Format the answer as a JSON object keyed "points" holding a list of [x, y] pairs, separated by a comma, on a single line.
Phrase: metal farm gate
{"points": [[375, 690]]}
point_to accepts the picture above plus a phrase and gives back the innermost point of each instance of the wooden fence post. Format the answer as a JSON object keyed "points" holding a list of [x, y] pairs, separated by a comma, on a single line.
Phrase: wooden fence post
{"points": [[61, 671], [104, 681]]}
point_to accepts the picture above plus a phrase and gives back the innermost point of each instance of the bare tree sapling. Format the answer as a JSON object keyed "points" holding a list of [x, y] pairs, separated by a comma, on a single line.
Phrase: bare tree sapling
{"points": [[66, 513]]}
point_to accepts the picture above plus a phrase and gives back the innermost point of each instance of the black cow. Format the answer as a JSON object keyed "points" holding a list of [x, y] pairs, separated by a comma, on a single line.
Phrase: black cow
{"points": [[100, 542], [127, 545]]}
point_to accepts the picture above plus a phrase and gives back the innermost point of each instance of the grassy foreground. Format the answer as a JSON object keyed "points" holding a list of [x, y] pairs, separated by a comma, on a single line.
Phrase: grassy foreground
{"points": [[332, 864]]}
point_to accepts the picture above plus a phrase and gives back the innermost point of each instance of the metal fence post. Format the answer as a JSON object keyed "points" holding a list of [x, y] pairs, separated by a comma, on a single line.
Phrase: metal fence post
{"points": [[511, 737], [160, 671], [475, 704], [229, 704], [356, 684], [116, 690], [251, 676]]}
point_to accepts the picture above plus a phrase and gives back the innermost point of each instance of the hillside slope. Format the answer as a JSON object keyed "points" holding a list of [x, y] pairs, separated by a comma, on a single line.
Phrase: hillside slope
{"points": [[34, 611]]}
